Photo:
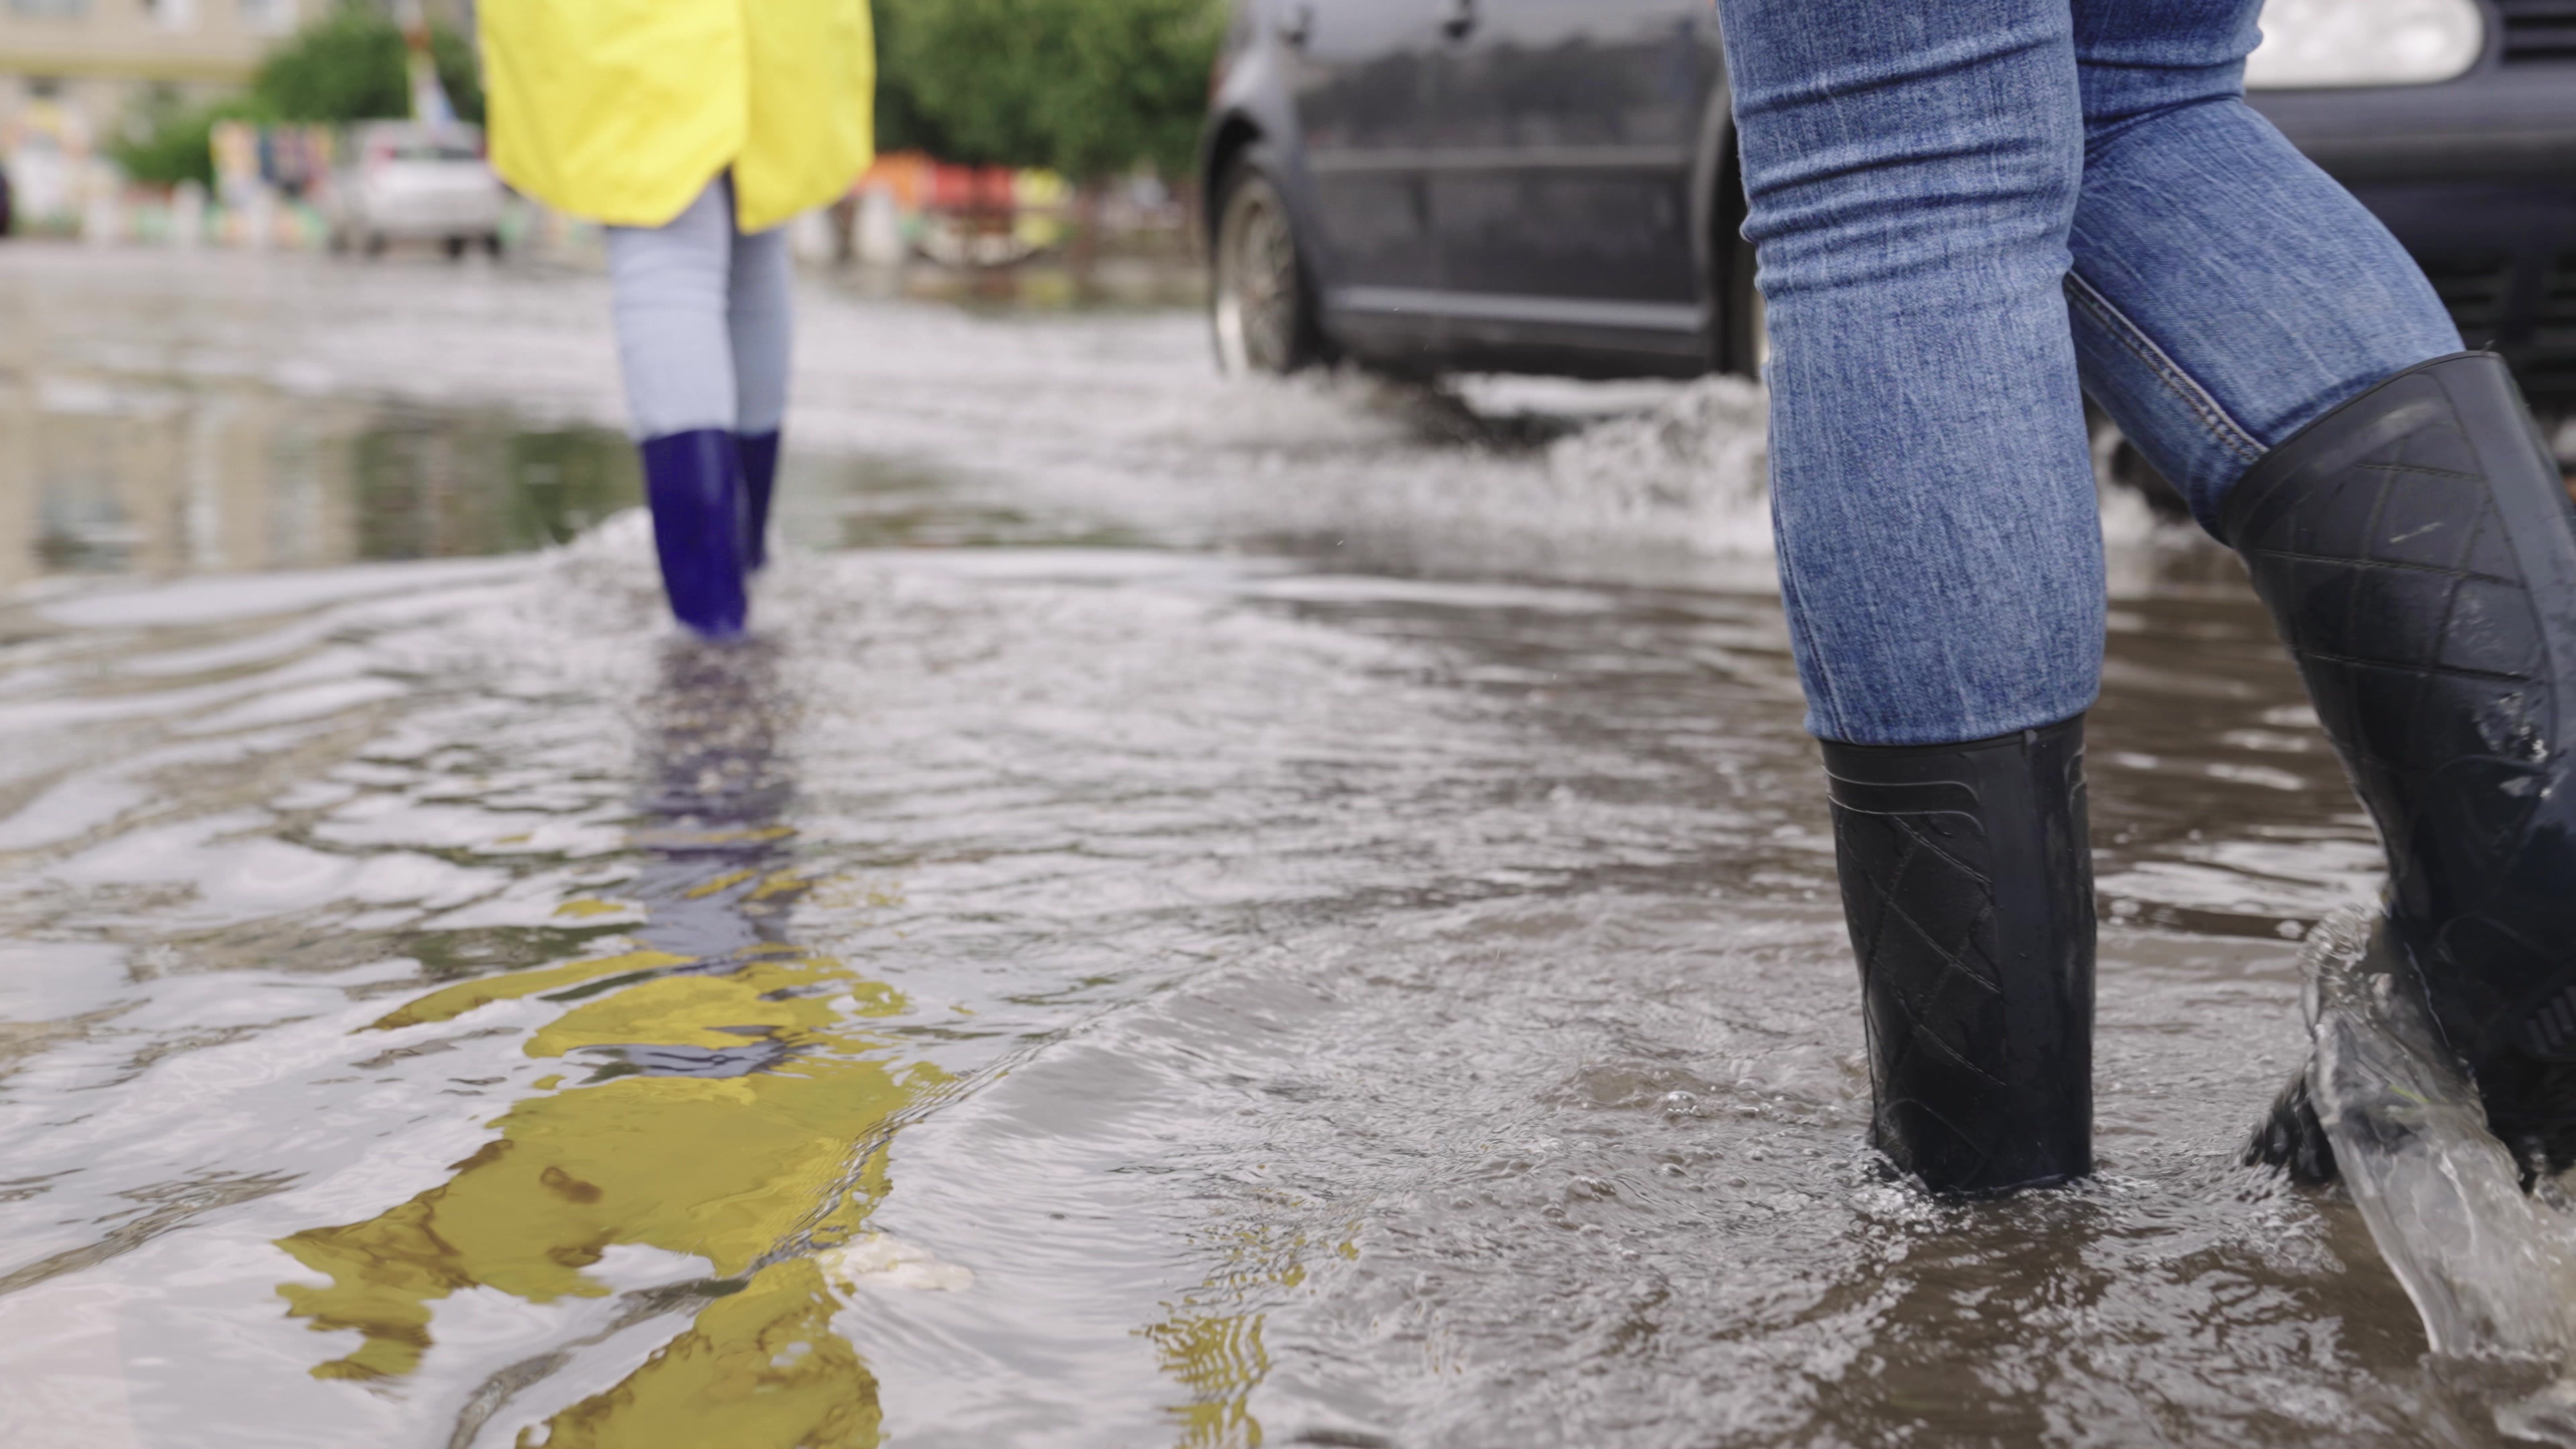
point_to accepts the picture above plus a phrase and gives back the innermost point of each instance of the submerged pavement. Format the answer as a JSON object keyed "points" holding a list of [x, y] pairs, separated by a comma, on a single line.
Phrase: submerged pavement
{"points": [[1210, 914]]}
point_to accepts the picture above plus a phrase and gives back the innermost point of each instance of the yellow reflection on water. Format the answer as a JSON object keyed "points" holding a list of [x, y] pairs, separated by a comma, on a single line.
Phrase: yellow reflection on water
{"points": [[761, 1367], [1210, 1341], [735, 1078], [1218, 1357], [720, 1169]]}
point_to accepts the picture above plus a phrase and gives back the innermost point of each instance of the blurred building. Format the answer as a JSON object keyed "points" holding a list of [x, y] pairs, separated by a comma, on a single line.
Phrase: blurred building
{"points": [[90, 58], [82, 63]]}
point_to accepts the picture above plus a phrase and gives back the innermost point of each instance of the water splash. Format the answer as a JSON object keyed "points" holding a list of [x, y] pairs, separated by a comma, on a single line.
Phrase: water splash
{"points": [[1703, 455], [2490, 1268]]}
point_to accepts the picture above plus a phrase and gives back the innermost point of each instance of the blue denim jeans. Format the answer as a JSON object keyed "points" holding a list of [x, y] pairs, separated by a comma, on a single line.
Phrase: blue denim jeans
{"points": [[704, 320], [1968, 214]]}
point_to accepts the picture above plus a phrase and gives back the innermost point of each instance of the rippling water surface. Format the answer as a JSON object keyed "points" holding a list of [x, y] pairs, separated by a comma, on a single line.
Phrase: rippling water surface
{"points": [[1207, 916]]}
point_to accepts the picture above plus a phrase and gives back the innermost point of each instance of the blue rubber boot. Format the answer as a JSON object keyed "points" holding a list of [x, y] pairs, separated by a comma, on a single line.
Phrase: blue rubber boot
{"points": [[759, 480], [694, 482]]}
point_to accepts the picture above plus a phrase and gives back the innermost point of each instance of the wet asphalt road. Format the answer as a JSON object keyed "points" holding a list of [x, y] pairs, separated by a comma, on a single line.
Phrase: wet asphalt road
{"points": [[1210, 915]]}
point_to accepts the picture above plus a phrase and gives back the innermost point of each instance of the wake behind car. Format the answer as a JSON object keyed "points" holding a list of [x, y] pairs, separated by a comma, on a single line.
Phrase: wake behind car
{"points": [[1549, 185]]}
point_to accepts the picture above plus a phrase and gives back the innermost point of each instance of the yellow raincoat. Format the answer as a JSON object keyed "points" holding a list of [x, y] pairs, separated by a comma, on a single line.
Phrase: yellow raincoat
{"points": [[623, 110]]}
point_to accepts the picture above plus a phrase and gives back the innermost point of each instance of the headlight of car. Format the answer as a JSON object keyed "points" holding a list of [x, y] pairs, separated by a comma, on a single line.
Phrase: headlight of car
{"points": [[2365, 43]]}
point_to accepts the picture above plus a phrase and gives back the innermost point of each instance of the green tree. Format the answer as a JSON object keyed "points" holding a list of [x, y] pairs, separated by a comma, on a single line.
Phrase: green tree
{"points": [[902, 122], [1090, 88], [350, 66], [167, 141]]}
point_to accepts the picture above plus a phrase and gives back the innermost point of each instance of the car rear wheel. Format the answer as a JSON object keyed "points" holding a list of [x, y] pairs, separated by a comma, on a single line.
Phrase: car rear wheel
{"points": [[1262, 303]]}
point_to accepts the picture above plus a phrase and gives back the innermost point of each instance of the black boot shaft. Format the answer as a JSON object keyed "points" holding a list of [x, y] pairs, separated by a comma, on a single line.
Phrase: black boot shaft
{"points": [[1967, 881], [2418, 550]]}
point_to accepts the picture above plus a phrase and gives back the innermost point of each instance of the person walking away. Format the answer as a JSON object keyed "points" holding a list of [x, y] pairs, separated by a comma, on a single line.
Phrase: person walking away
{"points": [[693, 129], [1968, 216]]}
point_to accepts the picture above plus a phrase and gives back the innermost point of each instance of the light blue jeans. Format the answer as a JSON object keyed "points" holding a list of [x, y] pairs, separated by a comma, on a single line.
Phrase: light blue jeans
{"points": [[704, 320], [1968, 214]]}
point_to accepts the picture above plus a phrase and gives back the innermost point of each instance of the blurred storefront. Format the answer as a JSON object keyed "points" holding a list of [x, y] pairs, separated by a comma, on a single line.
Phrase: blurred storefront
{"points": [[75, 75], [912, 205], [74, 71], [83, 63]]}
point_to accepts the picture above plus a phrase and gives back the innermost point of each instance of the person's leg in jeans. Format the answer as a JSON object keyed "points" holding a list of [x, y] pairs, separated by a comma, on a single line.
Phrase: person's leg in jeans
{"points": [[2226, 293], [671, 286], [761, 321], [1913, 173], [1910, 175], [2272, 349]]}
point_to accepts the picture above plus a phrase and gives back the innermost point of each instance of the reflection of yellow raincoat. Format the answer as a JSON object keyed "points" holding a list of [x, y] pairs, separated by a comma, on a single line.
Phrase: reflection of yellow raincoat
{"points": [[624, 110]]}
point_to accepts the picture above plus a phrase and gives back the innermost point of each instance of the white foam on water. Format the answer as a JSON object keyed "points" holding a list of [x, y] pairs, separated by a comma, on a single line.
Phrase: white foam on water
{"points": [[2491, 1269], [250, 596], [873, 1260], [1116, 421], [1703, 457]]}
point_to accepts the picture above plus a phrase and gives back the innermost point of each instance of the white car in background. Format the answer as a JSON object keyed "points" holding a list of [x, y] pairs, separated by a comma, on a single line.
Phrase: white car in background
{"points": [[405, 181]]}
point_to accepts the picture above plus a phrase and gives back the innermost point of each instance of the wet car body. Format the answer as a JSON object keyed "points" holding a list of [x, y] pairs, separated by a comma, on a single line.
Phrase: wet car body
{"points": [[1534, 185], [1549, 185], [2477, 176]]}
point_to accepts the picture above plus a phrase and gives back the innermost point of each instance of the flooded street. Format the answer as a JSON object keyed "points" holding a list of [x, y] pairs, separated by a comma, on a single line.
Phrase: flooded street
{"points": [[1208, 915]]}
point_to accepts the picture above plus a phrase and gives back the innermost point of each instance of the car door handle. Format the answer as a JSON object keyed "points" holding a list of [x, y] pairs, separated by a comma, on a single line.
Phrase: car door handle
{"points": [[1461, 19]]}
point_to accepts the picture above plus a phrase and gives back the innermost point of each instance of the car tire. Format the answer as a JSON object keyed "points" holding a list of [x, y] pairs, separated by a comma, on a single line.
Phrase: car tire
{"points": [[1261, 294], [374, 244], [492, 245], [455, 248]]}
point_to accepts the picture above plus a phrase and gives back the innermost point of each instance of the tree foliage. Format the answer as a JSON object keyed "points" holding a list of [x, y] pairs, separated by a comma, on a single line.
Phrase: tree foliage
{"points": [[1090, 88], [350, 65], [902, 122], [167, 142]]}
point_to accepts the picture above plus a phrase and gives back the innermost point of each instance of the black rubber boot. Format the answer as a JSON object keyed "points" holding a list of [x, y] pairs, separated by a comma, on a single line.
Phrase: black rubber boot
{"points": [[2292, 1139], [2418, 550], [1968, 883]]}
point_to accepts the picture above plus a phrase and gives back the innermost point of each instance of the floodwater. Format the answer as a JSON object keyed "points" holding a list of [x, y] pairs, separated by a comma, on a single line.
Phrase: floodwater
{"points": [[1208, 916]]}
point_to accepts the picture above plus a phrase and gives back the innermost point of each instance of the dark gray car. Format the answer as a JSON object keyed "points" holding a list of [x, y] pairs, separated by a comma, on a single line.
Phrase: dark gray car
{"points": [[1549, 185]]}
